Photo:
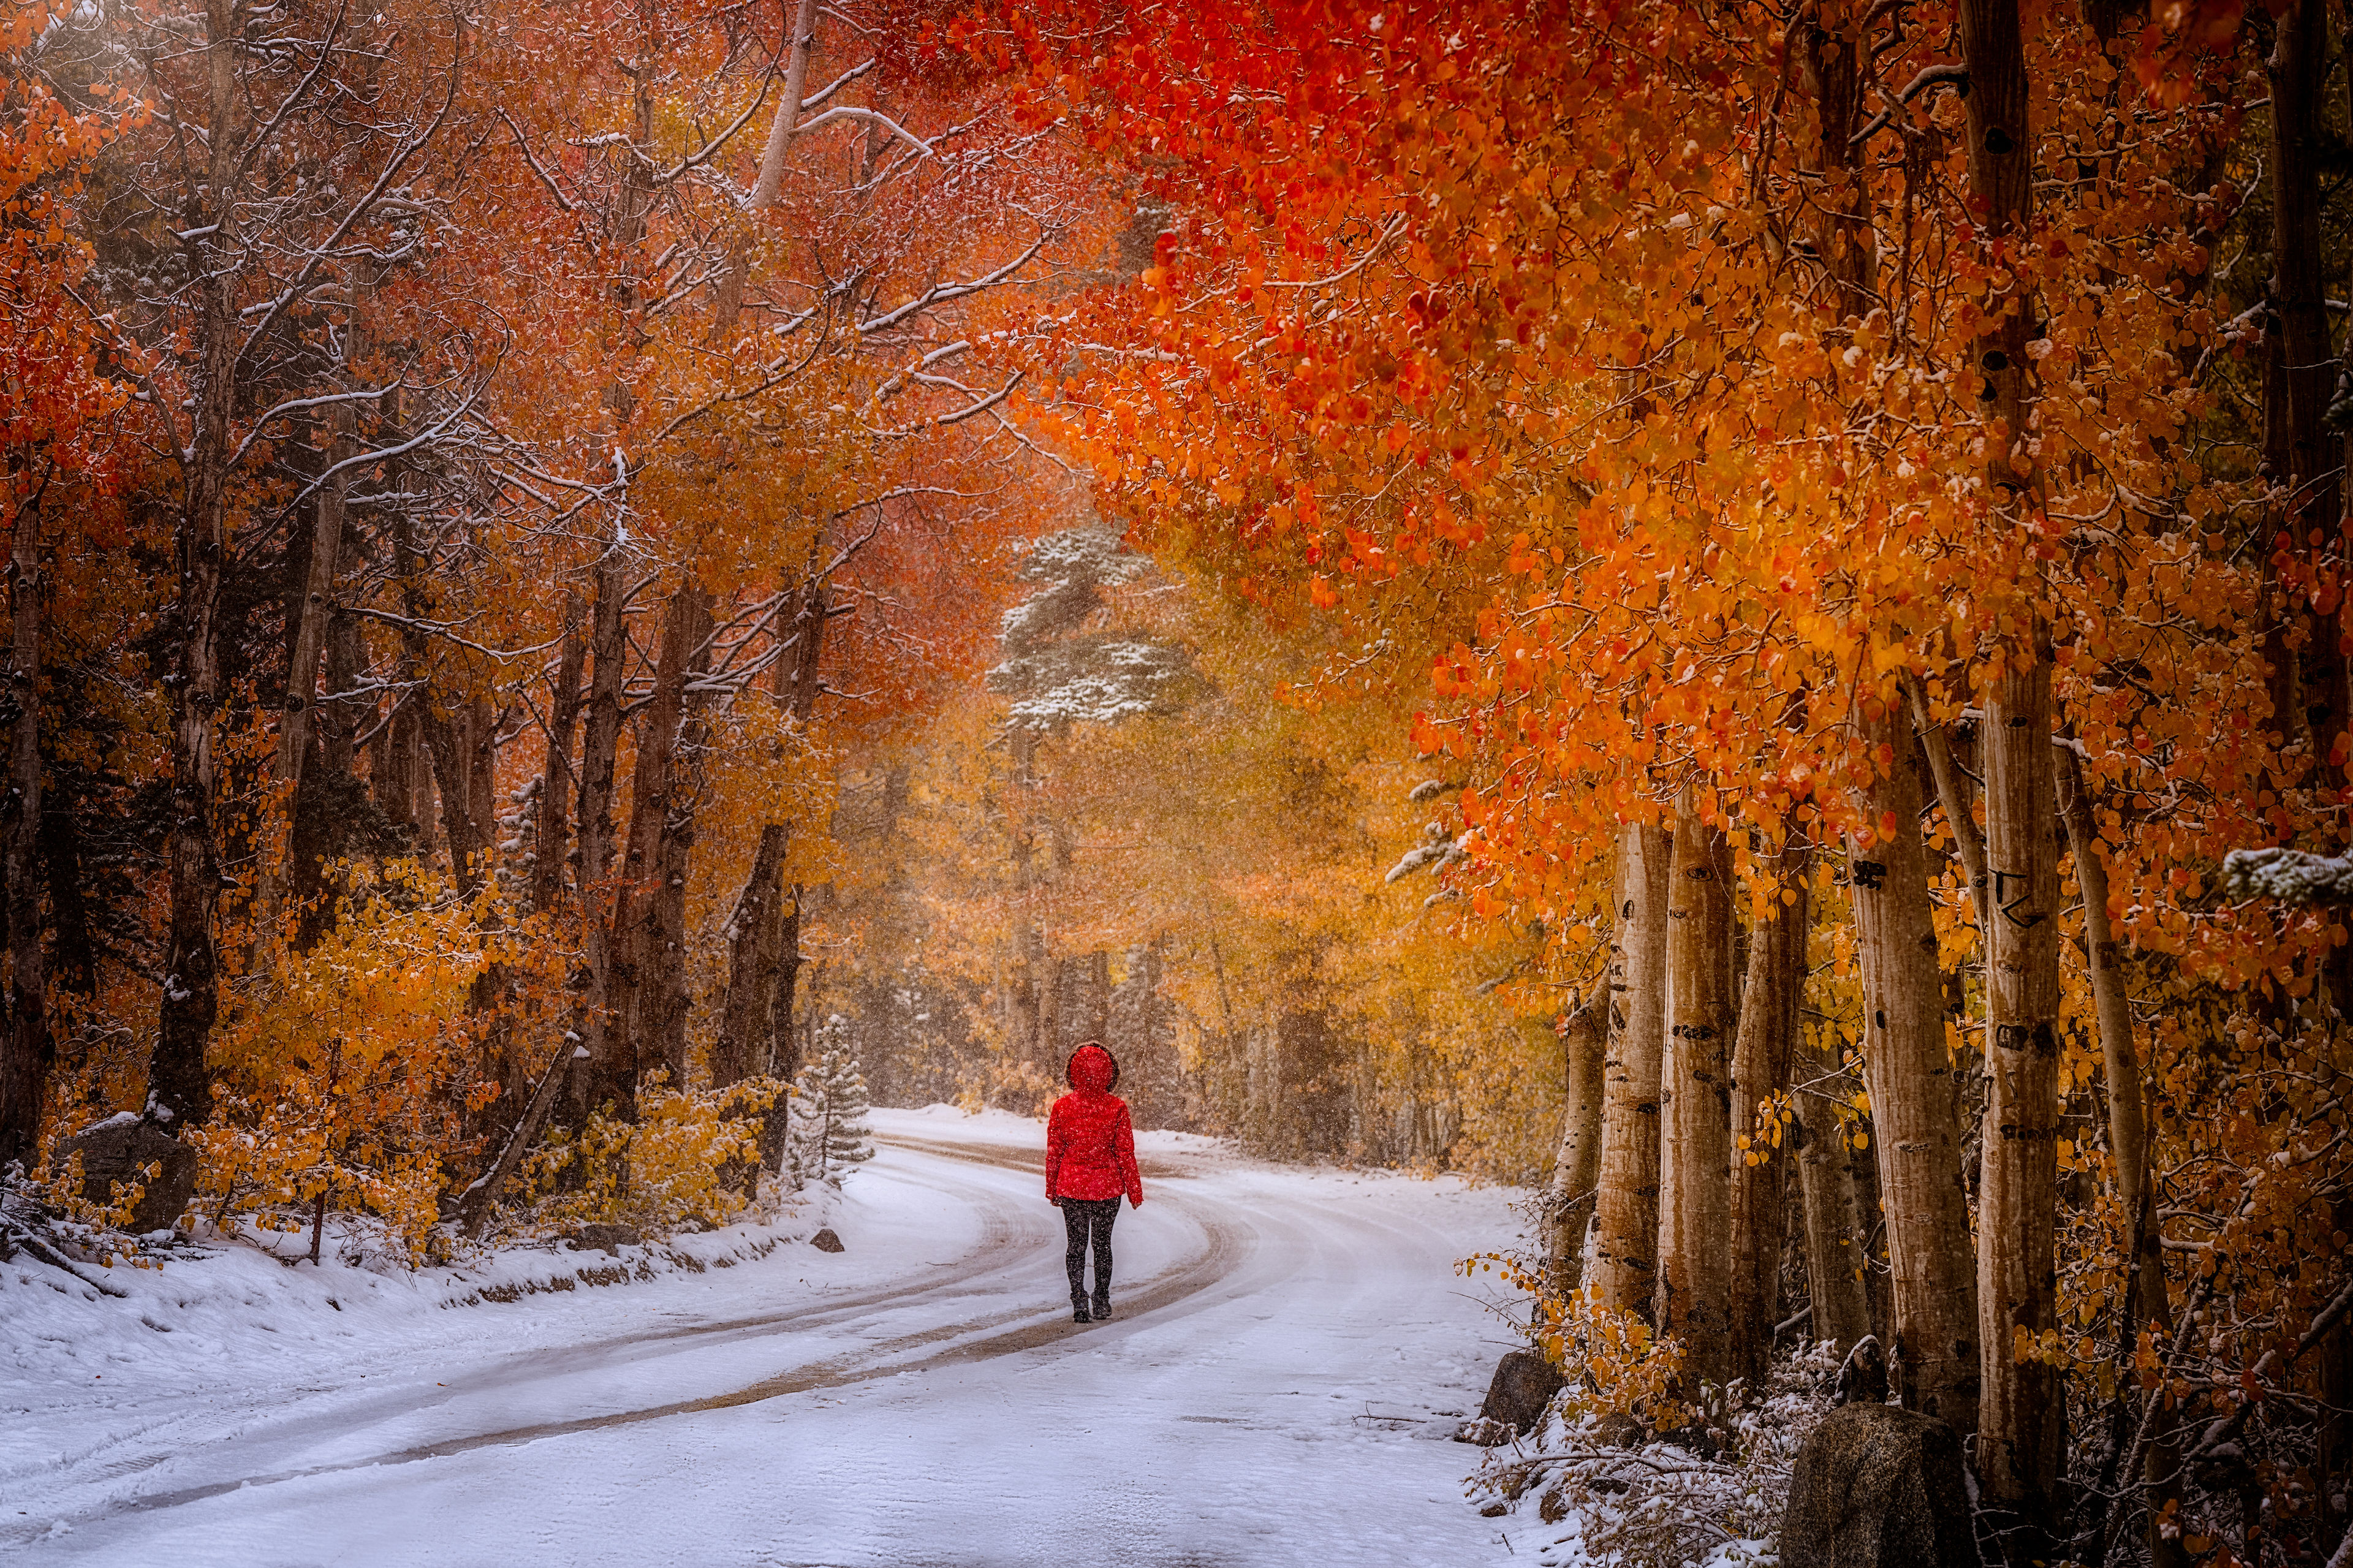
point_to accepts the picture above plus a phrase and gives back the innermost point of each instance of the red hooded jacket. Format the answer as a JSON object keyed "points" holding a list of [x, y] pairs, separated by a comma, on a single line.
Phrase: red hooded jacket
{"points": [[1090, 1142]]}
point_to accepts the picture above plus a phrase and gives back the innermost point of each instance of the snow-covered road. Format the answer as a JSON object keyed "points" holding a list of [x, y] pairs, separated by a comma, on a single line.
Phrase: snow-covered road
{"points": [[1270, 1393]]}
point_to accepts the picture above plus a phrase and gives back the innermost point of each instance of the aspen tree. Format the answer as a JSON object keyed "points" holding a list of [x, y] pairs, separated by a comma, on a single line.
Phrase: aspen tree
{"points": [[1626, 1237], [1909, 1076], [2022, 1420], [1576, 1164], [1762, 1053], [1835, 1233], [1696, 1265], [1916, 1146]]}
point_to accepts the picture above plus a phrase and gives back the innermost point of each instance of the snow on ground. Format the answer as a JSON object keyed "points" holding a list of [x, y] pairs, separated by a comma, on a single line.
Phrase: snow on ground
{"points": [[1289, 1346]]}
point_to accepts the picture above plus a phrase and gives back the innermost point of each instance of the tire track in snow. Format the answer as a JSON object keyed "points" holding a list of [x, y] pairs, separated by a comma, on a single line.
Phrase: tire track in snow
{"points": [[1226, 1242], [1007, 1233]]}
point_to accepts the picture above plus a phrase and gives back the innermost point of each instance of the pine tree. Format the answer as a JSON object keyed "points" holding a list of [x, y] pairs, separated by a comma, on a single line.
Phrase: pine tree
{"points": [[828, 1131]]}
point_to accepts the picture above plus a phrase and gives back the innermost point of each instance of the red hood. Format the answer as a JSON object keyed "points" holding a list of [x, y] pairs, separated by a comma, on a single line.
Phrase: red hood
{"points": [[1092, 1069]]}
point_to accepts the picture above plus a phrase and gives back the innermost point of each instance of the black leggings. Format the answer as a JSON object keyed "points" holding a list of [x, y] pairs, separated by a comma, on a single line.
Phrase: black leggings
{"points": [[1083, 1219]]}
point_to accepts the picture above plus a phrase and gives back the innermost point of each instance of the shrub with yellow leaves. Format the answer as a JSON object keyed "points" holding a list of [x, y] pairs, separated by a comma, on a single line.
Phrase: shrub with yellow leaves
{"points": [[679, 1164], [1611, 1361], [345, 1076]]}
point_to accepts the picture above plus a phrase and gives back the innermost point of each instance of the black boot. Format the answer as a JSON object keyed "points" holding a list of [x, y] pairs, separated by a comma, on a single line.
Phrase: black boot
{"points": [[1079, 1309], [1102, 1306]]}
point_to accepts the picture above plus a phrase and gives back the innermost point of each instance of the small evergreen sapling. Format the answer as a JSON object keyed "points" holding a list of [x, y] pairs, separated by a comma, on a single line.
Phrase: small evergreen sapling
{"points": [[828, 1131]]}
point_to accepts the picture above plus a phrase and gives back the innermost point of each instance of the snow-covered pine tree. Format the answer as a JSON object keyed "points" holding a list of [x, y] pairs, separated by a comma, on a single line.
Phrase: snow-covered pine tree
{"points": [[829, 1132]]}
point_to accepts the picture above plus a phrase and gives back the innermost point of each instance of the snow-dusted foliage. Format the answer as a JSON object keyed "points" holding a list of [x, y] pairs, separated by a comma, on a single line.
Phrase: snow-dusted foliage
{"points": [[1709, 1495], [1056, 669], [828, 1136], [2292, 875]]}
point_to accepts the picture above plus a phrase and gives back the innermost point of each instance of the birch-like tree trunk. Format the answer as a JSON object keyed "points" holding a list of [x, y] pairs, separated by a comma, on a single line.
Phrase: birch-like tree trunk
{"points": [[1909, 1075], [1836, 1235], [2127, 1134], [2021, 1433], [1761, 1058], [1694, 1289], [2022, 1420], [1626, 1233], [1576, 1164]]}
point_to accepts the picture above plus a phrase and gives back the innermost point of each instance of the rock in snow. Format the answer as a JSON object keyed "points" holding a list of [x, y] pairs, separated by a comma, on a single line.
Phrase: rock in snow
{"points": [[116, 1151], [1876, 1486], [607, 1239], [1524, 1385]]}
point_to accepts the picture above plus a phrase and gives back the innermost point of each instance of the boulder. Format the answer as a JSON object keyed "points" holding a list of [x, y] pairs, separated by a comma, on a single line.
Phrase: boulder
{"points": [[116, 1151], [607, 1239], [1618, 1430], [1524, 1385], [825, 1241], [1876, 1486]]}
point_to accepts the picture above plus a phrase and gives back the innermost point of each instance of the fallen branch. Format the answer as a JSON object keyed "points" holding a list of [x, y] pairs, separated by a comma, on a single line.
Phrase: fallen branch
{"points": [[41, 1249], [474, 1203]]}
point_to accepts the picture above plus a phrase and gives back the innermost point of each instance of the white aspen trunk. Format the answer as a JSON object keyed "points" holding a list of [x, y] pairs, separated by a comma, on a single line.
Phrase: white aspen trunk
{"points": [[1694, 1284], [1625, 1237], [1761, 1058], [1909, 1074], [1577, 1165], [2128, 1126], [2022, 1422], [2021, 1433], [780, 130], [1835, 1231]]}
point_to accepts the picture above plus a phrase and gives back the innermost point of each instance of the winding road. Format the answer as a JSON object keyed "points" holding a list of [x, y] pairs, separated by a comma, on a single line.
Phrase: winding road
{"points": [[1285, 1347]]}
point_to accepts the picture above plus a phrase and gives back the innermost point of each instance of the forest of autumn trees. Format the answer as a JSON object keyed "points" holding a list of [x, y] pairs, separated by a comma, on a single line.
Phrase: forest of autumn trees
{"points": [[1807, 537], [464, 514]]}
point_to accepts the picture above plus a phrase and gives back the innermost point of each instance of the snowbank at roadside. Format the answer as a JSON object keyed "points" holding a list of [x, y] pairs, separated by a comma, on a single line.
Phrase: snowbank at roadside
{"points": [[226, 1319]]}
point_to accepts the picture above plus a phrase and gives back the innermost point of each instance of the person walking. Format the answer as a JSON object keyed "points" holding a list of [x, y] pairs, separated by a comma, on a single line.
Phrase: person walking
{"points": [[1090, 1162]]}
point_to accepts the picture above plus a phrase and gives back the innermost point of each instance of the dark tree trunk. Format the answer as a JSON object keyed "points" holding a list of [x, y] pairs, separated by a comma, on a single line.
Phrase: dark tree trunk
{"points": [[482, 724], [600, 745], [179, 1088], [755, 942], [2301, 453], [759, 931], [310, 611], [555, 788], [637, 947], [25, 1061], [73, 962], [664, 953]]}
